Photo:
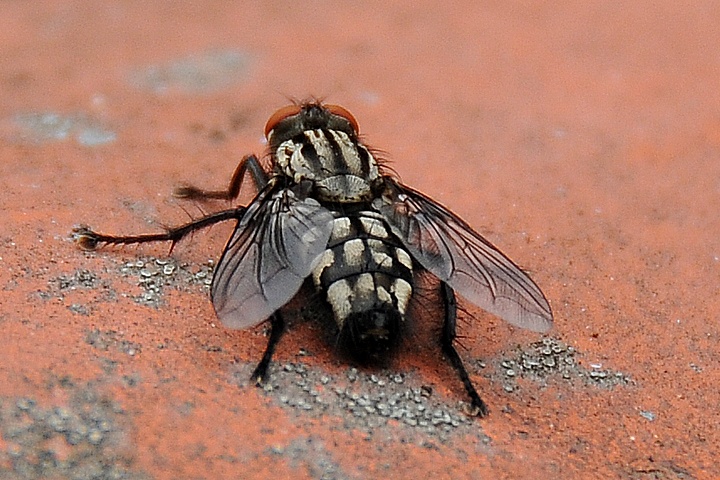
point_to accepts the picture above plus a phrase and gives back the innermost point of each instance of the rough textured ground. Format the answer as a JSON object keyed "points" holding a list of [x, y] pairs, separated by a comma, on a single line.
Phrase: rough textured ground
{"points": [[582, 139]]}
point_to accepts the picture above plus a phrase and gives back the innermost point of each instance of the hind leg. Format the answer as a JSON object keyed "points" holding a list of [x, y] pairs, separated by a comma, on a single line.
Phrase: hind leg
{"points": [[478, 406], [277, 327]]}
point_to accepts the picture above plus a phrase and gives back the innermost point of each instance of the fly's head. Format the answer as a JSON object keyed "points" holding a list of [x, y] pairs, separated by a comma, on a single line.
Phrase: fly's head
{"points": [[293, 120], [319, 143]]}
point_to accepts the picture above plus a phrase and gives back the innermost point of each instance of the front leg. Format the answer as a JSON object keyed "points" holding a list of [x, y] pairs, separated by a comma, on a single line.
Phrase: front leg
{"points": [[478, 406], [248, 162]]}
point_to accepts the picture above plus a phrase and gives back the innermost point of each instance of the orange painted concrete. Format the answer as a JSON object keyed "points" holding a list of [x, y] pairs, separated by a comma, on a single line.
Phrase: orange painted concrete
{"points": [[584, 140]]}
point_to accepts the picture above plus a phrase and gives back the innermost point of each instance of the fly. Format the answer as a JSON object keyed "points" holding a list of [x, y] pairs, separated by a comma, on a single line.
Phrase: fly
{"points": [[328, 212]]}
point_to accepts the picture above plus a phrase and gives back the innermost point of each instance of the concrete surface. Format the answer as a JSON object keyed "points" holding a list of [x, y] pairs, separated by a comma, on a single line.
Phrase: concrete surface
{"points": [[582, 139]]}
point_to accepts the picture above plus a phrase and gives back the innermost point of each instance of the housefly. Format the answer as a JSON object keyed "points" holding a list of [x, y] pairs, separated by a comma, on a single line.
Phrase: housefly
{"points": [[327, 212]]}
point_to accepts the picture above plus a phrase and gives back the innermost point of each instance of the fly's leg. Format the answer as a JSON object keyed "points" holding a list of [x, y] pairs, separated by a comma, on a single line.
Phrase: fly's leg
{"points": [[478, 407], [87, 239], [277, 327], [248, 163]]}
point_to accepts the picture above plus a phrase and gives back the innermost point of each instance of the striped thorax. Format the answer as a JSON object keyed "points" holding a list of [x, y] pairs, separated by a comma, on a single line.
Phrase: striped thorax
{"points": [[341, 169]]}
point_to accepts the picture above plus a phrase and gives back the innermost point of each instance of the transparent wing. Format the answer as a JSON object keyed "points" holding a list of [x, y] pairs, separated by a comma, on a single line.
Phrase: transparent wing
{"points": [[451, 250], [272, 251]]}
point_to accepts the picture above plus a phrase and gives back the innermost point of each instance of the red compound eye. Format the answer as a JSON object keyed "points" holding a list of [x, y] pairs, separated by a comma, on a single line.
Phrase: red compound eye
{"points": [[281, 115], [342, 112]]}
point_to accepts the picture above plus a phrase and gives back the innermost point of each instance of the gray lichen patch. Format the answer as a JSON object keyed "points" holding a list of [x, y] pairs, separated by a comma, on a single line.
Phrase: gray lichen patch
{"points": [[110, 339], [551, 360], [200, 73], [153, 275], [83, 288], [81, 278], [312, 453], [382, 403], [42, 127], [83, 438], [77, 285]]}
